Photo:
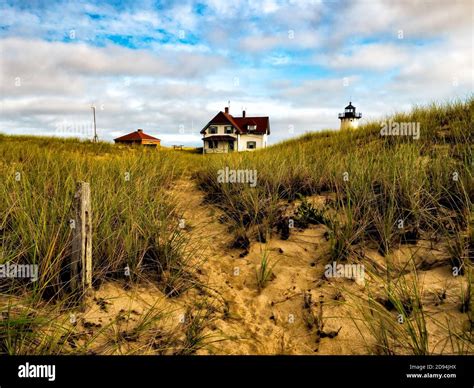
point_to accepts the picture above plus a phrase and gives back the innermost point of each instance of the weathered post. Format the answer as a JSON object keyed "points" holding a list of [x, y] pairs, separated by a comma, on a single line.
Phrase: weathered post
{"points": [[81, 258]]}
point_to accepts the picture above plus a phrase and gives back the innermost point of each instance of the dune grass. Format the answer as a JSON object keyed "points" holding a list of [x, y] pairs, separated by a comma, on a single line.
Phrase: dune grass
{"points": [[389, 191], [135, 223]]}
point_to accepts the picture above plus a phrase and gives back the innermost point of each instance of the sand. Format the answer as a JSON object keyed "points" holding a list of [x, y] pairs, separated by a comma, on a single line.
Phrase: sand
{"points": [[283, 317]]}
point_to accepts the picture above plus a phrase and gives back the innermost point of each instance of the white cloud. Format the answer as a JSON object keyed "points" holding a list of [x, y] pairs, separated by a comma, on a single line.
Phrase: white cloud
{"points": [[45, 67], [288, 39], [417, 19], [367, 57], [284, 59]]}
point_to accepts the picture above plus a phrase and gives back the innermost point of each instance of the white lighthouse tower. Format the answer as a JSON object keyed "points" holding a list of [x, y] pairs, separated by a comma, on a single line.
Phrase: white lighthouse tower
{"points": [[349, 119]]}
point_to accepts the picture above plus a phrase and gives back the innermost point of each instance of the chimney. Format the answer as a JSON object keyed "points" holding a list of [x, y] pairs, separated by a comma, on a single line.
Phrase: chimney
{"points": [[227, 109], [139, 130], [243, 113]]}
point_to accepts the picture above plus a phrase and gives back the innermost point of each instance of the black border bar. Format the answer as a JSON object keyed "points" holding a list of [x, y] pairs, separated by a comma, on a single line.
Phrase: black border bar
{"points": [[317, 371]]}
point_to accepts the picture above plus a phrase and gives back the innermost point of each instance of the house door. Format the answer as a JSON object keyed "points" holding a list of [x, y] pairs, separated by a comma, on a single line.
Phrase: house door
{"points": [[231, 145]]}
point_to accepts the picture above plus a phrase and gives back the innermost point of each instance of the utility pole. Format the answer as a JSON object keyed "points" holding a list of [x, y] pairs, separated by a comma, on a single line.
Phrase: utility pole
{"points": [[96, 139]]}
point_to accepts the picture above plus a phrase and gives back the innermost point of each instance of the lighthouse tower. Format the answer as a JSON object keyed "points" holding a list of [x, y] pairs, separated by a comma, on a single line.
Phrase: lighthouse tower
{"points": [[349, 119]]}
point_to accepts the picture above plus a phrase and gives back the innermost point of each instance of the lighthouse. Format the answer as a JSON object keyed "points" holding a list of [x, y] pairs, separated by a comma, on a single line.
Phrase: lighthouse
{"points": [[349, 119]]}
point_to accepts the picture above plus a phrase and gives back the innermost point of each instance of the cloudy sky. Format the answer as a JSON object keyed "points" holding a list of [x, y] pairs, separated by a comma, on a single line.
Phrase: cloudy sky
{"points": [[169, 66]]}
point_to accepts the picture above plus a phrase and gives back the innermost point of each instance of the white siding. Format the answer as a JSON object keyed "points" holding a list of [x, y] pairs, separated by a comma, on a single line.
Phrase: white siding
{"points": [[240, 145], [349, 123], [260, 141]]}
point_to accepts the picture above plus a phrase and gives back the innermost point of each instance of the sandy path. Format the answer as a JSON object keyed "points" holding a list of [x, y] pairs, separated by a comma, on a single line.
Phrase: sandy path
{"points": [[271, 321], [275, 320]]}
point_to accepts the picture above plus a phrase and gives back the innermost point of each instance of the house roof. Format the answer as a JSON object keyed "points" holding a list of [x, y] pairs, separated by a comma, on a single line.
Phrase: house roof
{"points": [[241, 123], [262, 124], [136, 136]]}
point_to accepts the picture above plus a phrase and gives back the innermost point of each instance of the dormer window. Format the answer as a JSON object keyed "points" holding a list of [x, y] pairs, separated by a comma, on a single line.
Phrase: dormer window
{"points": [[212, 130], [252, 127]]}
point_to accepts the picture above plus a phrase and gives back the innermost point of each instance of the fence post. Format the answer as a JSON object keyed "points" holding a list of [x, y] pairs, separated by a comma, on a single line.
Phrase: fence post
{"points": [[81, 258]]}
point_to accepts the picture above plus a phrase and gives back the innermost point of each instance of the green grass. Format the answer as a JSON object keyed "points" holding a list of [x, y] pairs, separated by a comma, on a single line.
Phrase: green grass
{"points": [[264, 273], [378, 180], [135, 222], [388, 191], [397, 324], [134, 218]]}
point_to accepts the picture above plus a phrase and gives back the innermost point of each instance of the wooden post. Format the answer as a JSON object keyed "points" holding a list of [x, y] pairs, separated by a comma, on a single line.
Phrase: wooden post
{"points": [[81, 259]]}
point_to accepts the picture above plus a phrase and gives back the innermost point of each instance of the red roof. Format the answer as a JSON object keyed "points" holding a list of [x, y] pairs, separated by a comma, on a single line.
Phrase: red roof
{"points": [[136, 136], [262, 124], [241, 123]]}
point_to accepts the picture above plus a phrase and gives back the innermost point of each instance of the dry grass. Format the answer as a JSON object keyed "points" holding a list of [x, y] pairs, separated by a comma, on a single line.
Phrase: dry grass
{"points": [[388, 192]]}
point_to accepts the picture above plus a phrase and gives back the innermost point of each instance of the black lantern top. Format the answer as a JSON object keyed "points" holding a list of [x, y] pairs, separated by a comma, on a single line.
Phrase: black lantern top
{"points": [[350, 112]]}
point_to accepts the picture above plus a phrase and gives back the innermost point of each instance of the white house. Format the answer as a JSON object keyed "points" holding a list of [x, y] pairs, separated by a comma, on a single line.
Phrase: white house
{"points": [[349, 119], [226, 133]]}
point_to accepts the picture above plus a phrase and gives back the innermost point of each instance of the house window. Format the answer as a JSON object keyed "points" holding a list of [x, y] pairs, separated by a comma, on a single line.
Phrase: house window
{"points": [[251, 145], [252, 127], [212, 143], [228, 129], [212, 130]]}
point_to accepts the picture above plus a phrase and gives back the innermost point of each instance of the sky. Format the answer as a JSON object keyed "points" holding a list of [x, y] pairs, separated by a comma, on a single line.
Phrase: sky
{"points": [[169, 66]]}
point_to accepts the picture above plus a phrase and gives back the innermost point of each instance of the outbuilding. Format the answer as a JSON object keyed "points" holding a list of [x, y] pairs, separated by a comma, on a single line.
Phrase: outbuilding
{"points": [[139, 138]]}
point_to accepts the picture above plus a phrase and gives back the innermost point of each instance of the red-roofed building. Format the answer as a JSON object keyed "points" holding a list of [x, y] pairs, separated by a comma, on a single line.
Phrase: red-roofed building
{"points": [[226, 133], [140, 138]]}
